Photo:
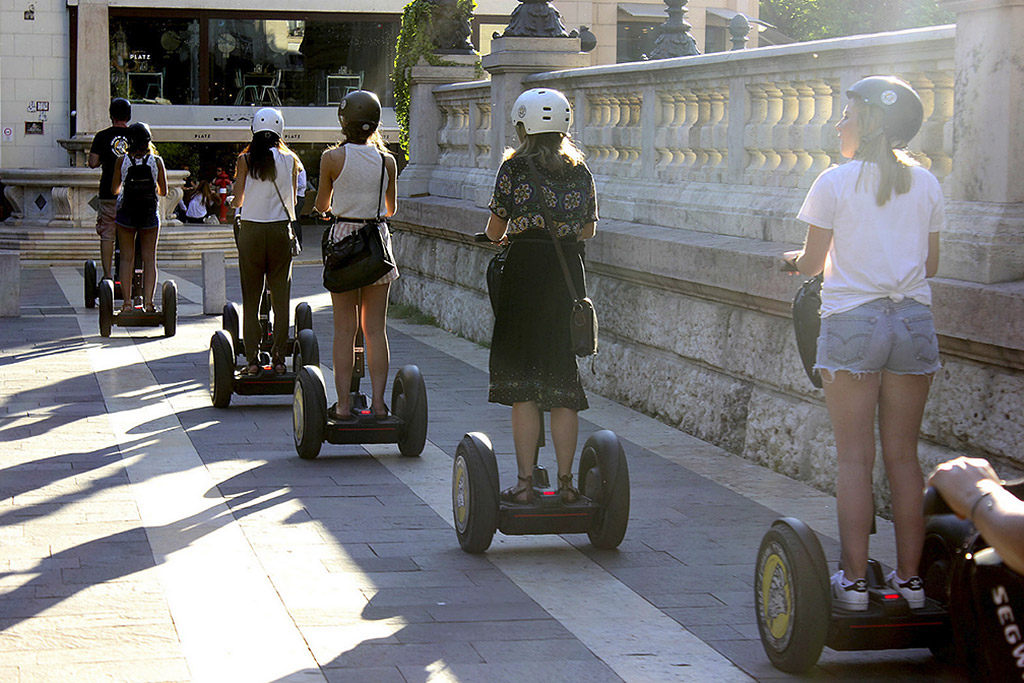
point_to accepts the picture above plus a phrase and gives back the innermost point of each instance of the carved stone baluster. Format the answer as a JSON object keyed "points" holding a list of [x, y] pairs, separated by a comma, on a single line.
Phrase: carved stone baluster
{"points": [[483, 134], [782, 135], [697, 169], [715, 139], [817, 131], [765, 138], [805, 112], [665, 124], [756, 117], [685, 131]]}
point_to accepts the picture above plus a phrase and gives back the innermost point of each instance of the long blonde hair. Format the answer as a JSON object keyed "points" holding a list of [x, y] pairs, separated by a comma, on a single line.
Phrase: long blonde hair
{"points": [[550, 151], [876, 148]]}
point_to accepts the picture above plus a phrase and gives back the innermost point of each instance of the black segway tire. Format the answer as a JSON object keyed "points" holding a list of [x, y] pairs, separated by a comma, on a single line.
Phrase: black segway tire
{"points": [[309, 412], [106, 297], [409, 402], [792, 596], [90, 284], [303, 317], [936, 570], [307, 350], [475, 492], [230, 321], [169, 299], [222, 369], [604, 478]]}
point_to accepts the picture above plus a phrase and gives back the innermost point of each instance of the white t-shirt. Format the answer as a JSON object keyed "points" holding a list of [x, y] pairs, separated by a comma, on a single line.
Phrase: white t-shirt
{"points": [[877, 251], [264, 204], [196, 207]]}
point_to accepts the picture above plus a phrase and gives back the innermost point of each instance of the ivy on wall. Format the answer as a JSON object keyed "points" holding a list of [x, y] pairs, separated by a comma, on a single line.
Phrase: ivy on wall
{"points": [[415, 41]]}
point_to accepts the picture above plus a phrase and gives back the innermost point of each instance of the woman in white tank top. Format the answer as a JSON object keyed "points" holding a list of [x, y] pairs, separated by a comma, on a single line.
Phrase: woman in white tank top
{"points": [[357, 182]]}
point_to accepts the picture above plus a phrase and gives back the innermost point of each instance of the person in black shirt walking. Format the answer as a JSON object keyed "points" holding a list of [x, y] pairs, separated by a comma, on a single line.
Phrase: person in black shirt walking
{"points": [[108, 146]]}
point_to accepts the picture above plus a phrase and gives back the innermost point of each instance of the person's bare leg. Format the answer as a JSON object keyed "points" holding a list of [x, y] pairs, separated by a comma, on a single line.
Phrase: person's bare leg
{"points": [[375, 339], [107, 257], [565, 426], [344, 309], [148, 239], [525, 433], [851, 406], [900, 409], [126, 237]]}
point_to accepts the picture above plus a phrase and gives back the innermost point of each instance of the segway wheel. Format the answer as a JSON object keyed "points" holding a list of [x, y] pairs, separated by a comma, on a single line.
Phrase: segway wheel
{"points": [[106, 307], [303, 317], [409, 402], [307, 350], [792, 596], [230, 324], [90, 284], [309, 412], [604, 478], [169, 298], [222, 369], [936, 567], [475, 492]]}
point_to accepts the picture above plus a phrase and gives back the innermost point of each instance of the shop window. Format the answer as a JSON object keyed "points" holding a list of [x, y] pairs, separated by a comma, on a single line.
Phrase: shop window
{"points": [[154, 60], [634, 40]]}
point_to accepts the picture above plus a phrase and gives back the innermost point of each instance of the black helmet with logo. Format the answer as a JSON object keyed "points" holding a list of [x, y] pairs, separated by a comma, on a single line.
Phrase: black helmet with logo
{"points": [[120, 109], [139, 135], [902, 111], [361, 107]]}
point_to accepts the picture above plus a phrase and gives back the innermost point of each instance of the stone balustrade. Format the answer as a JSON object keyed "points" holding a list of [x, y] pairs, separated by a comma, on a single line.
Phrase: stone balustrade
{"points": [[701, 165]]}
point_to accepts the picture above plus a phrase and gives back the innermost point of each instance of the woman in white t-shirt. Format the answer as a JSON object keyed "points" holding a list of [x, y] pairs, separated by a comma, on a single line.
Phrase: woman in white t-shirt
{"points": [[874, 229]]}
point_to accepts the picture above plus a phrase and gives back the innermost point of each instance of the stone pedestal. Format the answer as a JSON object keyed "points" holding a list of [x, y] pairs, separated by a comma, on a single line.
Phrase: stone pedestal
{"points": [[425, 118], [10, 284], [512, 60], [214, 282]]}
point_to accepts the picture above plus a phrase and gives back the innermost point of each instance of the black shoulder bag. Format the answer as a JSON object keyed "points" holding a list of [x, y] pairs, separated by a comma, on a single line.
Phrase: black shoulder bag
{"points": [[358, 259], [582, 317], [807, 325]]}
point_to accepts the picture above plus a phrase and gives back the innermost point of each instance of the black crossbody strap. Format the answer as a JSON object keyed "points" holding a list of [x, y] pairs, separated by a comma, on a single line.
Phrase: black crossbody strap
{"points": [[550, 224]]}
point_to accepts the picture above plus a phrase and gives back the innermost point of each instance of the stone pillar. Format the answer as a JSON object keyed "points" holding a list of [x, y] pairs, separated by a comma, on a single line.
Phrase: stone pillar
{"points": [[214, 282], [93, 80], [510, 61], [10, 284], [425, 118], [988, 128]]}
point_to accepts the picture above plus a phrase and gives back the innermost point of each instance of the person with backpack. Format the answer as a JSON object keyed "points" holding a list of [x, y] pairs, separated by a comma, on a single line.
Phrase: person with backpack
{"points": [[873, 229], [139, 180], [265, 192], [108, 146], [357, 186], [532, 365]]}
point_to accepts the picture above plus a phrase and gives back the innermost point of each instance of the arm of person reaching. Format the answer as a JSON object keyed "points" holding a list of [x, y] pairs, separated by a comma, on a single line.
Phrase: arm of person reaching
{"points": [[972, 490], [391, 193], [931, 265], [811, 259], [331, 163], [496, 228], [115, 184], [161, 177], [241, 172]]}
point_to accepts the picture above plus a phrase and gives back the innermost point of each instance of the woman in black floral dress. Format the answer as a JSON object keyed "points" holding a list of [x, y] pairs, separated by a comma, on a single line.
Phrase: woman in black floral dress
{"points": [[533, 367]]}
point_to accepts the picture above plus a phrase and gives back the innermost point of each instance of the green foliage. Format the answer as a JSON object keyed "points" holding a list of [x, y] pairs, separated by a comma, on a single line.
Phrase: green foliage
{"points": [[414, 43], [179, 155], [816, 19]]}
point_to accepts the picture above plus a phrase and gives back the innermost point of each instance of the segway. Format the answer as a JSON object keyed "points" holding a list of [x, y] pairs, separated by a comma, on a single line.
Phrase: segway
{"points": [[227, 347], [166, 315], [405, 425], [601, 511], [92, 279]]}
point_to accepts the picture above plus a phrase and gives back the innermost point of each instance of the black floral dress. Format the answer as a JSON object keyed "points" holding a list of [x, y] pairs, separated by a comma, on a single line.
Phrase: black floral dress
{"points": [[531, 353]]}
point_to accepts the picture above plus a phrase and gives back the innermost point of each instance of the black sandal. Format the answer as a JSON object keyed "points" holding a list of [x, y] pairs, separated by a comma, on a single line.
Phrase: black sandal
{"points": [[333, 414], [279, 367], [252, 370], [566, 490], [521, 493]]}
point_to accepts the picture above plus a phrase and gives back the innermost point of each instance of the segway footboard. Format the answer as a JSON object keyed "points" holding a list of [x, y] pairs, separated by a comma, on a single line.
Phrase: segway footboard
{"points": [[548, 515]]}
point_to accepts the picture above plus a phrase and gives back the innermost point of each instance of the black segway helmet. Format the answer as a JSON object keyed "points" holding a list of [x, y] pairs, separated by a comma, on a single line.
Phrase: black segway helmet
{"points": [[361, 107], [139, 135], [902, 111], [120, 109]]}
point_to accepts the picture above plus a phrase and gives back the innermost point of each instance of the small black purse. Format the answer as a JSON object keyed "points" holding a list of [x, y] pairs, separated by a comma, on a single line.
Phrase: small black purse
{"points": [[360, 258], [807, 325]]}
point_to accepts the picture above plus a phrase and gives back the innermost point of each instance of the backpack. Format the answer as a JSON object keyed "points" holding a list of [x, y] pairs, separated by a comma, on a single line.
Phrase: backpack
{"points": [[138, 196]]}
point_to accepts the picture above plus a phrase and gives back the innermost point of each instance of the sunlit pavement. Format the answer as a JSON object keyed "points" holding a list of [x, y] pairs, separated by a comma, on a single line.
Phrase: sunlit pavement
{"points": [[147, 536]]}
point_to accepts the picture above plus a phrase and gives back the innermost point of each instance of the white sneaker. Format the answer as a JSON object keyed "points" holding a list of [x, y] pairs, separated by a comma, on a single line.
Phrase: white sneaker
{"points": [[850, 596], [912, 589]]}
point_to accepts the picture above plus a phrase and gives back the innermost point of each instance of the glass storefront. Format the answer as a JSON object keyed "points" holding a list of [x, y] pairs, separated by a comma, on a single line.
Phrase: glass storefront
{"points": [[223, 60]]}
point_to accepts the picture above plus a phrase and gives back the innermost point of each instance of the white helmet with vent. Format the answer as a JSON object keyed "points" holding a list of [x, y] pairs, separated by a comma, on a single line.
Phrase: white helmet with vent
{"points": [[268, 119], [542, 110]]}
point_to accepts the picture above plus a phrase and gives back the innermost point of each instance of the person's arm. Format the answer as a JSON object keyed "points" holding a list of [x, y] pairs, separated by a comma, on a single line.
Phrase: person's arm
{"points": [[161, 177], [94, 160], [115, 185], [241, 171], [391, 193], [496, 228], [973, 491], [330, 168], [931, 265], [811, 259], [589, 230]]}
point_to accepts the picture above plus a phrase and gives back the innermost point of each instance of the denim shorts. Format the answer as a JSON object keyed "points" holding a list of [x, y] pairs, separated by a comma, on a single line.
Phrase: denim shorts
{"points": [[880, 335]]}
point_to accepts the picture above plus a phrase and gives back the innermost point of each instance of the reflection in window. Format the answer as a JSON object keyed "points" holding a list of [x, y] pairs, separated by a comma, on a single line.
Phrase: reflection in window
{"points": [[154, 60], [298, 63], [634, 40]]}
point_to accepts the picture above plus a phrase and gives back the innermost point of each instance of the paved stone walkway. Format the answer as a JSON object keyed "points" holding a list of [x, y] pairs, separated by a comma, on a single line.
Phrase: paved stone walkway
{"points": [[146, 536]]}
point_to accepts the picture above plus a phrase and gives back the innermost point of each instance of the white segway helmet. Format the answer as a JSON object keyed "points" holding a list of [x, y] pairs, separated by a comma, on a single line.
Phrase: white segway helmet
{"points": [[542, 110], [270, 120]]}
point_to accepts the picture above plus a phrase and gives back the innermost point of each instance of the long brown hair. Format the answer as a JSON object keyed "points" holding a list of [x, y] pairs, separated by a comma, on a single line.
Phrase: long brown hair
{"points": [[550, 151], [355, 134], [260, 157], [876, 148]]}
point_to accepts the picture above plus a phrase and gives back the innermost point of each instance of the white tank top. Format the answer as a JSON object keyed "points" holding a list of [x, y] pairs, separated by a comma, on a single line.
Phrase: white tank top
{"points": [[262, 204], [359, 183]]}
